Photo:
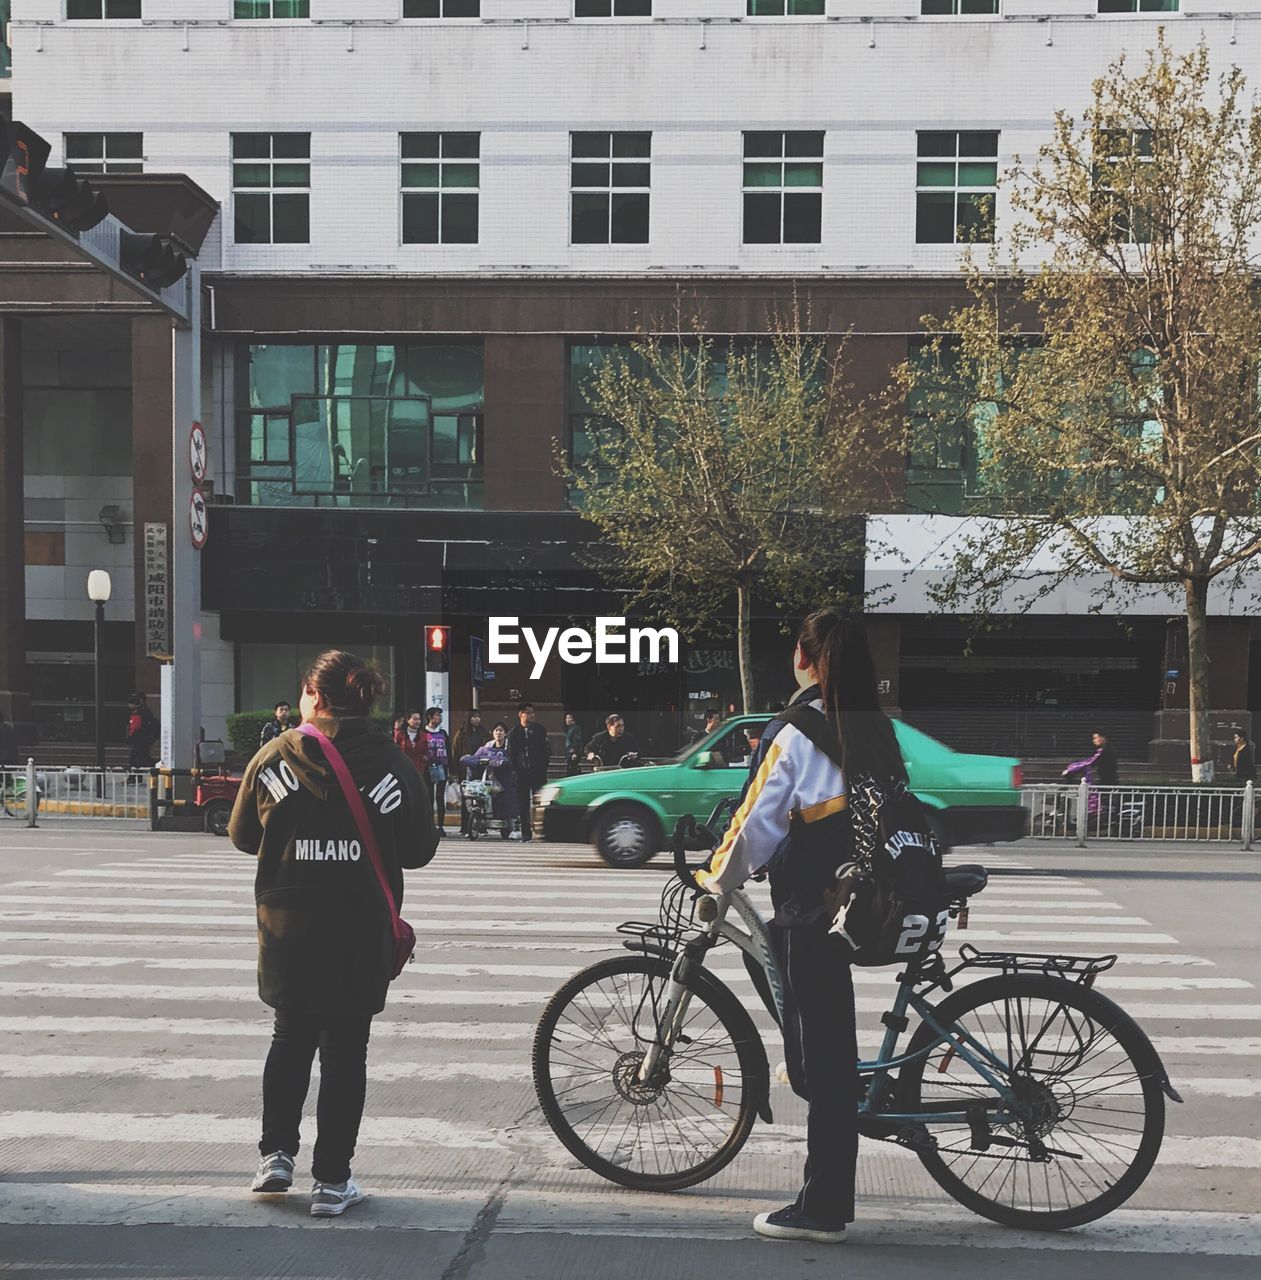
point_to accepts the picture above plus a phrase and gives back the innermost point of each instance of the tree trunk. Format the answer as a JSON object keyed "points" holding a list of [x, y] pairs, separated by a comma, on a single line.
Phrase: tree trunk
{"points": [[1197, 679], [744, 643]]}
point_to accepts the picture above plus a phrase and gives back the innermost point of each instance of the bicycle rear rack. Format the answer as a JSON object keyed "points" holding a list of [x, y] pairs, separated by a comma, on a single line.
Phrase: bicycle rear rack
{"points": [[1083, 969]]}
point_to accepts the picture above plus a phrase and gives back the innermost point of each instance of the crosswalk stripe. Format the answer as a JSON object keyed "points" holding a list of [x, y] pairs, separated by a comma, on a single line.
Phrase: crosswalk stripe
{"points": [[502, 996], [476, 905], [612, 944], [45, 1066], [1222, 1151], [520, 1032], [727, 971], [461, 927]]}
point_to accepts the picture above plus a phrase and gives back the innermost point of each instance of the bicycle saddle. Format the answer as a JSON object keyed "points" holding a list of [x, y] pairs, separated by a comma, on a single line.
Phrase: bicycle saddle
{"points": [[963, 882]]}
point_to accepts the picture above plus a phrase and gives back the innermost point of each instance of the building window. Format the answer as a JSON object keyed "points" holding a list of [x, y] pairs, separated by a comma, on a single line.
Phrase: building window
{"points": [[105, 152], [272, 9], [271, 188], [785, 8], [612, 8], [439, 184], [933, 8], [609, 180], [1138, 6], [783, 188], [359, 425], [1113, 149], [956, 182], [102, 8], [442, 8]]}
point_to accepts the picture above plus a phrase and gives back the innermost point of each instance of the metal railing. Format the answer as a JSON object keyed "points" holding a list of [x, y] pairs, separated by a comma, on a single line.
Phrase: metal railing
{"points": [[30, 792], [1081, 813]]}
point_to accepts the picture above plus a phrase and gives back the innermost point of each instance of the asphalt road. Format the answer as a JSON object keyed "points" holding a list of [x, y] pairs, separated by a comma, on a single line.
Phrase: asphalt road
{"points": [[133, 1042]]}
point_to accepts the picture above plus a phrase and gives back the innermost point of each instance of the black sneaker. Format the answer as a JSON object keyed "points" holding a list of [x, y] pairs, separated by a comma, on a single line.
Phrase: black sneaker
{"points": [[791, 1224]]}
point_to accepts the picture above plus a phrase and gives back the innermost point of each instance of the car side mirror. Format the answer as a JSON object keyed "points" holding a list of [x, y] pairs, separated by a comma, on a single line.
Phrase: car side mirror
{"points": [[706, 760]]}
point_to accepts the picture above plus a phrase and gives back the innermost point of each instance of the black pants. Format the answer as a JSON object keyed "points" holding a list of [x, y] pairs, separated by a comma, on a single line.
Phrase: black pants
{"points": [[821, 1045], [139, 757], [439, 790], [525, 808], [343, 1046]]}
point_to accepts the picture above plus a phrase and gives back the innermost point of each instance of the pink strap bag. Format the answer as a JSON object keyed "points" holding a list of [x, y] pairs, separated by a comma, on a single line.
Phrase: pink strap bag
{"points": [[404, 934]]}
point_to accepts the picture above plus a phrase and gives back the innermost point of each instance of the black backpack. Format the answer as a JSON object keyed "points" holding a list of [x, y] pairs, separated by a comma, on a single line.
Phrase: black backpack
{"points": [[891, 904]]}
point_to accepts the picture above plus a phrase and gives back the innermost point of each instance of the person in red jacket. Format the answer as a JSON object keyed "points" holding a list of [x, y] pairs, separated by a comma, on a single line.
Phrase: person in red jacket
{"points": [[413, 743]]}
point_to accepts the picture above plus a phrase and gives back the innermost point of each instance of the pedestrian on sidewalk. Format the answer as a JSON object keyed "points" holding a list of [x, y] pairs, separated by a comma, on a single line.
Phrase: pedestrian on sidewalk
{"points": [[529, 751], [796, 819], [438, 748], [280, 721], [412, 741], [573, 745], [1243, 762], [467, 741], [142, 733], [325, 932]]}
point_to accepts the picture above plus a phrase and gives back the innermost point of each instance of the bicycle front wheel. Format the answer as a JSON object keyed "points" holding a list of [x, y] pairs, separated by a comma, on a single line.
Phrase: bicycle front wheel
{"points": [[673, 1130], [1088, 1111]]}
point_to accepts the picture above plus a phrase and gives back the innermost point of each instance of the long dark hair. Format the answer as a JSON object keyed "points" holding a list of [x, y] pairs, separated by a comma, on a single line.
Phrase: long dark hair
{"points": [[346, 683], [835, 645]]}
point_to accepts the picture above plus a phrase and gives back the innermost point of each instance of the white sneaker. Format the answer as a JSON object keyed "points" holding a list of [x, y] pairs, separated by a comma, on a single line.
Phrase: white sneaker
{"points": [[329, 1199], [275, 1173], [514, 835]]}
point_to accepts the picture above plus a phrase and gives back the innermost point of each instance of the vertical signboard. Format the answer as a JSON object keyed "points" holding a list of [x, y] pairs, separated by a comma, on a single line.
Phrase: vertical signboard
{"points": [[166, 753], [157, 592]]}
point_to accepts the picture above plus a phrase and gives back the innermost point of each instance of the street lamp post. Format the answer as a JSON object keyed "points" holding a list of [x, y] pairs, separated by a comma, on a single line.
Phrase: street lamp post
{"points": [[99, 587]]}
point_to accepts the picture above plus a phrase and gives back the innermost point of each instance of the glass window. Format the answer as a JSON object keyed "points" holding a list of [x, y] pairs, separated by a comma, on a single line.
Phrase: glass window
{"points": [[609, 187], [271, 181], [1114, 149], [102, 8], [930, 8], [6, 54], [439, 179], [442, 8], [104, 152], [785, 8], [956, 182], [272, 9], [612, 8], [783, 187], [360, 425], [1138, 6]]}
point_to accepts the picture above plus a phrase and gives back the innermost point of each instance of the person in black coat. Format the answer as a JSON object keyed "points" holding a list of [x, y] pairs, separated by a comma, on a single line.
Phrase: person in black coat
{"points": [[1107, 773], [529, 750], [1244, 763], [325, 938]]}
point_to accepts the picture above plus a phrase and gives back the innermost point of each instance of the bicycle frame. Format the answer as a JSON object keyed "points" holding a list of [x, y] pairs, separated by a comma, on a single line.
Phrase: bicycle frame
{"points": [[754, 942]]}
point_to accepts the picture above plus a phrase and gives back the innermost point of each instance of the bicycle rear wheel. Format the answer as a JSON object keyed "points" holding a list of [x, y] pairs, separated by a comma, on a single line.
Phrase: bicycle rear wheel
{"points": [[672, 1131], [1090, 1110]]}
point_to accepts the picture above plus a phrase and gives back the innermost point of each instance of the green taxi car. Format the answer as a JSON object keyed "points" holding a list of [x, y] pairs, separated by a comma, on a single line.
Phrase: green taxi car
{"points": [[628, 814]]}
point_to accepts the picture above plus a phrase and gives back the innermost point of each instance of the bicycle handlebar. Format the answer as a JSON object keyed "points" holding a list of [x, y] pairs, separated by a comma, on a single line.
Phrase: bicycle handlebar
{"points": [[683, 829]]}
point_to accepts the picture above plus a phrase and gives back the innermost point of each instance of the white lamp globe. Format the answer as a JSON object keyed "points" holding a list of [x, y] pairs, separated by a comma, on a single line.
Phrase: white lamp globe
{"points": [[99, 586]]}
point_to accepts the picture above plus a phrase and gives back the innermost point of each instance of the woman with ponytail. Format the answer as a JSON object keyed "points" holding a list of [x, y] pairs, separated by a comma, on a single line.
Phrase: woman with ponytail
{"points": [[815, 761], [326, 933]]}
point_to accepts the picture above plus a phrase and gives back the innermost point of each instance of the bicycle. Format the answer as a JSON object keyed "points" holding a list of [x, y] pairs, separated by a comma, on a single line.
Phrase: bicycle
{"points": [[1028, 1096]]}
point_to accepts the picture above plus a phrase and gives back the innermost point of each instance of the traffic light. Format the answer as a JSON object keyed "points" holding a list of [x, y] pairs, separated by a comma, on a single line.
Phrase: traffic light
{"points": [[437, 648], [58, 194], [152, 259]]}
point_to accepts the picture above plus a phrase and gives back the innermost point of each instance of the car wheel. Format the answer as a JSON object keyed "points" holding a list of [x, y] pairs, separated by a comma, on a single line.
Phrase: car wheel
{"points": [[217, 814], [626, 836]]}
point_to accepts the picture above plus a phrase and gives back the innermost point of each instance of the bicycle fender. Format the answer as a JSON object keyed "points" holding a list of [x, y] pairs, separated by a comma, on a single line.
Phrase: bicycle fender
{"points": [[721, 995], [1157, 1066]]}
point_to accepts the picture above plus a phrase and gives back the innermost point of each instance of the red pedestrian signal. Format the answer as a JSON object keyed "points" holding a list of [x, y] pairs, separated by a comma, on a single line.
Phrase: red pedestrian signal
{"points": [[437, 648]]}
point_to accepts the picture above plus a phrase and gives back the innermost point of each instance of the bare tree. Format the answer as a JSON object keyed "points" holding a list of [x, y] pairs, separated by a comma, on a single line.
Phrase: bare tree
{"points": [[712, 472]]}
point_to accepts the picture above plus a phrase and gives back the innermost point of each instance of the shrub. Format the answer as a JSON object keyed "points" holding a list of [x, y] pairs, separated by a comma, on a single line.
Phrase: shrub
{"points": [[245, 727]]}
